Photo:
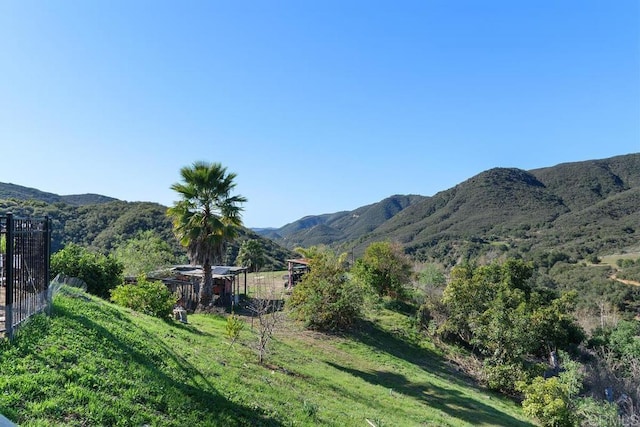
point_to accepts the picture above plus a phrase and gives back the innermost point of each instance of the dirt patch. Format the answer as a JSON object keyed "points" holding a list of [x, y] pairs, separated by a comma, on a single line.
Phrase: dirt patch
{"points": [[626, 282]]}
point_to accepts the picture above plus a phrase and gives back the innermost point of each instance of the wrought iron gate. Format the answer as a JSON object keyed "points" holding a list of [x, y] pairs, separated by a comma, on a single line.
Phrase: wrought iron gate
{"points": [[25, 247]]}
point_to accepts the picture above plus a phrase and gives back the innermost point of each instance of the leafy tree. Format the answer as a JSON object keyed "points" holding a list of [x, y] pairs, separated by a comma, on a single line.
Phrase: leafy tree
{"points": [[251, 255], [101, 273], [553, 324], [206, 217], [326, 299], [144, 253], [467, 296], [624, 339], [495, 310], [385, 268], [145, 296], [547, 400]]}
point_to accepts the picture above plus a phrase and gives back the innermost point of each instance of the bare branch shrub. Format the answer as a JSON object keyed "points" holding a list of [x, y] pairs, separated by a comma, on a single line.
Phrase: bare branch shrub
{"points": [[266, 307]]}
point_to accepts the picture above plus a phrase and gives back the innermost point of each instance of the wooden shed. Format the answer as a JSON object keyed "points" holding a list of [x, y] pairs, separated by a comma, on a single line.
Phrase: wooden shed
{"points": [[186, 280], [296, 269]]}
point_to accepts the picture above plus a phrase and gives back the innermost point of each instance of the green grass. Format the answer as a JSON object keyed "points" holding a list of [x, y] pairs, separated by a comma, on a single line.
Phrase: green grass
{"points": [[612, 259], [93, 363]]}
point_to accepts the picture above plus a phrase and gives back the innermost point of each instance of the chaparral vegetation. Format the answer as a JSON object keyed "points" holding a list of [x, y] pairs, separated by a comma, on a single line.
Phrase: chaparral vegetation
{"points": [[511, 299]]}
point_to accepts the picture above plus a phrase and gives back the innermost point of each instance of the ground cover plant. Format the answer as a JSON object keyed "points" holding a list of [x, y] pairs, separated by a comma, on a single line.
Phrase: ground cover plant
{"points": [[95, 363]]}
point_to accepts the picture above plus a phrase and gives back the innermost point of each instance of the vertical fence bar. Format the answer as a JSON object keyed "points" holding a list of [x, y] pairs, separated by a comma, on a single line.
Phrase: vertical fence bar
{"points": [[47, 261], [8, 315]]}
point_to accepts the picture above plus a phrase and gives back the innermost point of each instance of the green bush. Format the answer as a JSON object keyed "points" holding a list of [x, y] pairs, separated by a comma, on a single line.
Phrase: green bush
{"points": [[101, 273], [597, 413], [503, 377], [385, 268], [553, 401], [326, 299], [548, 401], [148, 297], [624, 339]]}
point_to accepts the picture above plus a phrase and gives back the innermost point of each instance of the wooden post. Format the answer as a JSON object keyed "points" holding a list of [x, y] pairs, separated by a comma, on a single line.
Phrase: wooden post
{"points": [[290, 274]]}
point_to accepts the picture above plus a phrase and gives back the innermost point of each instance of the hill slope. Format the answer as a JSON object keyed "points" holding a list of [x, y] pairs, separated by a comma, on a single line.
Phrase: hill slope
{"points": [[93, 363], [102, 226], [341, 226], [13, 191], [581, 208]]}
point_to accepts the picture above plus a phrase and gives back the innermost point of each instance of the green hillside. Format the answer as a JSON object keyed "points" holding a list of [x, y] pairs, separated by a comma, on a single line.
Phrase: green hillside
{"points": [[342, 226], [563, 207], [93, 363], [13, 191], [101, 227], [580, 208]]}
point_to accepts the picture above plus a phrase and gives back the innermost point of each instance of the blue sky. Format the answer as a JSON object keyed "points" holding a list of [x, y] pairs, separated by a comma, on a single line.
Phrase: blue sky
{"points": [[318, 106]]}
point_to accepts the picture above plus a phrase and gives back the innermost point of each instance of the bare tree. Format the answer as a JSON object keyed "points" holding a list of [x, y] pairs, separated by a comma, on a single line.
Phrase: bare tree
{"points": [[266, 308]]}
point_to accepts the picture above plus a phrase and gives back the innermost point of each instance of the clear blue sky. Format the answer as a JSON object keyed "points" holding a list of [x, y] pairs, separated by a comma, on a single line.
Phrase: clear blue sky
{"points": [[318, 106]]}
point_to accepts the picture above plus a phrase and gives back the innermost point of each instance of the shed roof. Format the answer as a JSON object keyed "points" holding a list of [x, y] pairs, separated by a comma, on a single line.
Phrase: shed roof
{"points": [[303, 261], [216, 271]]}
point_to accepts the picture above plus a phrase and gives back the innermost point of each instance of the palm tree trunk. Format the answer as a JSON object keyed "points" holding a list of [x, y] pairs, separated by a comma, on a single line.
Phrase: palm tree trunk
{"points": [[206, 287]]}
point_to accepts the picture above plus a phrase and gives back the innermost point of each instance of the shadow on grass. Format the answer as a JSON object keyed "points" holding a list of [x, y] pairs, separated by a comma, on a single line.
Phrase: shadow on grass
{"points": [[450, 401], [401, 347], [196, 392], [398, 346]]}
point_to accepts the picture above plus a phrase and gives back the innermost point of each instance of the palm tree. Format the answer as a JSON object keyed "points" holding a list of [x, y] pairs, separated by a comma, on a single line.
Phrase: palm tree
{"points": [[251, 255], [206, 217]]}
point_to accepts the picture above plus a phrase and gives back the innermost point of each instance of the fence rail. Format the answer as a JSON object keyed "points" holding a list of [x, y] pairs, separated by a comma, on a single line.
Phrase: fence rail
{"points": [[25, 248]]}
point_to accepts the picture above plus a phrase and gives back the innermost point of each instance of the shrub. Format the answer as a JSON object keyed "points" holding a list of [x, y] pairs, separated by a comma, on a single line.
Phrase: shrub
{"points": [[503, 377], [101, 273], [594, 413], [148, 297], [326, 299], [547, 400], [233, 328], [385, 268], [552, 401]]}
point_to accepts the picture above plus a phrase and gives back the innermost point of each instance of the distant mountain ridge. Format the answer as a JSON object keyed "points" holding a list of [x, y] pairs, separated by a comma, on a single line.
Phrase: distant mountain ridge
{"points": [[340, 226], [563, 207], [13, 191], [101, 223], [579, 208]]}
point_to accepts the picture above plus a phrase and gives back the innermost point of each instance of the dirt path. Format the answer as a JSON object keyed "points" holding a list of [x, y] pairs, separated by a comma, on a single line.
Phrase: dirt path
{"points": [[626, 282]]}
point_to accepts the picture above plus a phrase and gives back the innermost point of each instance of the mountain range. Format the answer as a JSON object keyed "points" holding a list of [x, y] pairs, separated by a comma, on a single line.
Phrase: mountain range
{"points": [[579, 209], [13, 191]]}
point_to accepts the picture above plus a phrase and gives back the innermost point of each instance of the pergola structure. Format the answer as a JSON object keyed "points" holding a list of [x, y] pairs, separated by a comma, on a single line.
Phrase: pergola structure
{"points": [[296, 267]]}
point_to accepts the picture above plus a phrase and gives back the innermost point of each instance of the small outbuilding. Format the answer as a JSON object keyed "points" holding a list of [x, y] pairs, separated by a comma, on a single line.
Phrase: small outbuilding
{"points": [[186, 281], [296, 269]]}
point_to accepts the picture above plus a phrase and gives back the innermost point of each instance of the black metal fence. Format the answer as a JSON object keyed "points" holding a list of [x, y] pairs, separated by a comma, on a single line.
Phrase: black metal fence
{"points": [[25, 248]]}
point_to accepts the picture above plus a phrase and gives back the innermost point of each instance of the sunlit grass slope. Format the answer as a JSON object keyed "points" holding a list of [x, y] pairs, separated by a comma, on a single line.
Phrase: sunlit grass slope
{"points": [[93, 363]]}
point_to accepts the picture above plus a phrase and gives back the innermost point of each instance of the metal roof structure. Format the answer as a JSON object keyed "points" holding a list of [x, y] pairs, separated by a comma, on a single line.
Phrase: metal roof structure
{"points": [[216, 271]]}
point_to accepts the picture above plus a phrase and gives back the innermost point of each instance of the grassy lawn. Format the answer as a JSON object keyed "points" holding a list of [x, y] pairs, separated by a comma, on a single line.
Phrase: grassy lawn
{"points": [[93, 363]]}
